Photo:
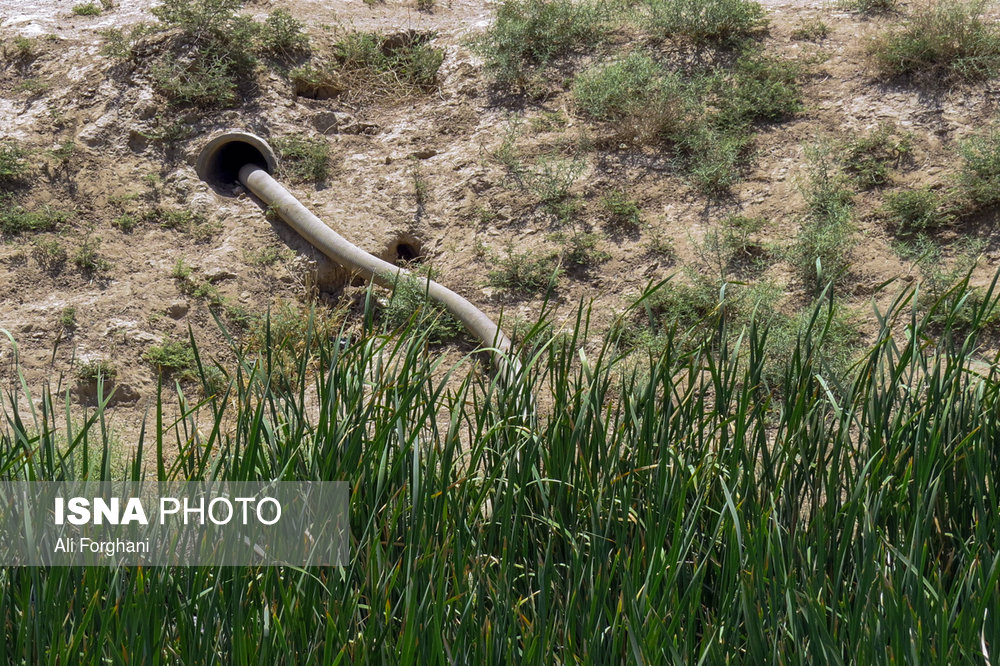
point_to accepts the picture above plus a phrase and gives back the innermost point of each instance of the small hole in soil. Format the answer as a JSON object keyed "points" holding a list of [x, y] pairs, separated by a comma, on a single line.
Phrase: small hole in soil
{"points": [[406, 253]]}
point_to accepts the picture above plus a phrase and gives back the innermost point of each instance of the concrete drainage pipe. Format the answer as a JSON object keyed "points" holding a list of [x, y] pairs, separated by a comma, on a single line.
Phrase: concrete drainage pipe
{"points": [[240, 158]]}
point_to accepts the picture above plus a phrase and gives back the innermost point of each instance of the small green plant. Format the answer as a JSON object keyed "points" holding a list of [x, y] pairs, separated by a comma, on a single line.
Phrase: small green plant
{"points": [[88, 258], [811, 30], [869, 158], [303, 158], [911, 212], [264, 256], [524, 273], [580, 250], [95, 370], [636, 94], [527, 35], [49, 253], [870, 6], [34, 85], [196, 225], [87, 9], [425, 5], [939, 40], [717, 22], [181, 271], [622, 210], [421, 188], [21, 49], [13, 162], [409, 302], [733, 245], [173, 358], [979, 177], [67, 319], [14, 219], [126, 222], [281, 36], [821, 253], [551, 181]]}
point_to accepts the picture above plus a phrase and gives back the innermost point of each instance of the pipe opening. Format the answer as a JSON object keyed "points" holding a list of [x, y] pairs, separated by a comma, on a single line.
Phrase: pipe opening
{"points": [[405, 249], [219, 162]]}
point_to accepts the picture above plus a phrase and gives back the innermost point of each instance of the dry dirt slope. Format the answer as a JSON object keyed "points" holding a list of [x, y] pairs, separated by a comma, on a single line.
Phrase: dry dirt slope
{"points": [[420, 169]]}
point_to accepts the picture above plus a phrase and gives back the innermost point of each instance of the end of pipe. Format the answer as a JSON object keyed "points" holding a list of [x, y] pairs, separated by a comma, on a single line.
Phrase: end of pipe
{"points": [[221, 159]]}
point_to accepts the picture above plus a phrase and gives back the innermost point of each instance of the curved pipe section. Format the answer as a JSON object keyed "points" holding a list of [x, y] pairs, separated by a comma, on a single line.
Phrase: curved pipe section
{"points": [[234, 158], [345, 253]]}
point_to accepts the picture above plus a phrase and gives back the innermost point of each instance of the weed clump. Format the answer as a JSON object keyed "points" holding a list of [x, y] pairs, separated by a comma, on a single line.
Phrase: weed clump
{"points": [[979, 177], [524, 273], [13, 163], [869, 158], [821, 252], [911, 212], [173, 358], [409, 303], [940, 40], [302, 158], [715, 22], [527, 35], [209, 55]]}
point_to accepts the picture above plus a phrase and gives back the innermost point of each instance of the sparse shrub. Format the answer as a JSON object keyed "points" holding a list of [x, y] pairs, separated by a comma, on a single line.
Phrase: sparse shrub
{"points": [[49, 253], [265, 256], [425, 5], [281, 36], [378, 63], [92, 371], [757, 88], [15, 219], [409, 302], [623, 210], [67, 319], [870, 6], [645, 101], [939, 40], [811, 30], [302, 158], [732, 245], [21, 49], [526, 35], [421, 188], [551, 180], [979, 178], [580, 250], [196, 225], [913, 211], [87, 9], [713, 157], [524, 273], [173, 357], [13, 162], [822, 250], [718, 22], [868, 159], [88, 258], [126, 222]]}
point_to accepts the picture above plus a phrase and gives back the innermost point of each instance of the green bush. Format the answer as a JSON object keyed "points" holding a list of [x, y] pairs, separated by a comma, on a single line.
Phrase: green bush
{"points": [[939, 40], [13, 162], [717, 22], [281, 36], [979, 177], [409, 302], [92, 371], [526, 35], [869, 158], [757, 88], [822, 250], [524, 273], [303, 158], [622, 209], [635, 93], [913, 211], [15, 219], [87, 9], [378, 62], [870, 6], [49, 253], [173, 357]]}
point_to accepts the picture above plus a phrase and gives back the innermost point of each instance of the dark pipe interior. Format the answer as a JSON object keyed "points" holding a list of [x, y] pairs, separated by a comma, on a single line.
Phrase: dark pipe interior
{"points": [[224, 165], [406, 253]]}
